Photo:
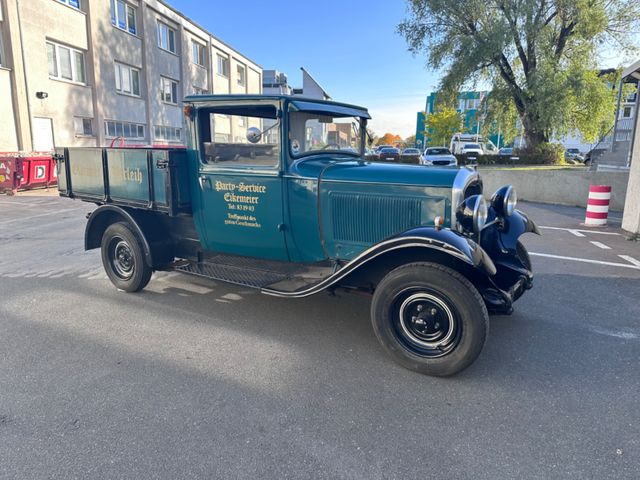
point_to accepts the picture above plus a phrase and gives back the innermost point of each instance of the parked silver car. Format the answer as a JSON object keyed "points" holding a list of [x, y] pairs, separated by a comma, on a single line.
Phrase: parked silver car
{"points": [[440, 156]]}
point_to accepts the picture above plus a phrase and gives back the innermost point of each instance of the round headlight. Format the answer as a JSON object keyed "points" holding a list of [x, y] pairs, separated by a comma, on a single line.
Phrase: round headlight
{"points": [[504, 201], [471, 214]]}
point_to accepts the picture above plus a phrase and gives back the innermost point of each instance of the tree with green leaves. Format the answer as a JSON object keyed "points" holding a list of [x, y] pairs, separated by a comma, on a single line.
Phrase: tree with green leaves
{"points": [[539, 55], [499, 116], [441, 125]]}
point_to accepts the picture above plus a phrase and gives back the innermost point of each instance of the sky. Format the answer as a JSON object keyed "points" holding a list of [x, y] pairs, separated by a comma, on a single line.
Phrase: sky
{"points": [[350, 47]]}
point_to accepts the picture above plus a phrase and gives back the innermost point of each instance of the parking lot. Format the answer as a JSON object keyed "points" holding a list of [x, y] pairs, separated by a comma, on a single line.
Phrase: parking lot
{"points": [[198, 379]]}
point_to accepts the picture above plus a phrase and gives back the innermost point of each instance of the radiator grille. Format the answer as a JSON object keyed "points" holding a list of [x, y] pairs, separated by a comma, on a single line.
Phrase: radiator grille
{"points": [[368, 219]]}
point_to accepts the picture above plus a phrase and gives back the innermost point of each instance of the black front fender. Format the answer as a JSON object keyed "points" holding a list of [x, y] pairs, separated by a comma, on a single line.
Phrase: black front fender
{"points": [[428, 238], [462, 247]]}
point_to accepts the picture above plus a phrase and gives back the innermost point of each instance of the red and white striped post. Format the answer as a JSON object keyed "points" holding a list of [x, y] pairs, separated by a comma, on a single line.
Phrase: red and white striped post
{"points": [[598, 205]]}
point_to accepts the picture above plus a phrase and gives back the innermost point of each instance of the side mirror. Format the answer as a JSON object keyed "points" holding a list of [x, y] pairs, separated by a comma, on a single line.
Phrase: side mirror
{"points": [[254, 134]]}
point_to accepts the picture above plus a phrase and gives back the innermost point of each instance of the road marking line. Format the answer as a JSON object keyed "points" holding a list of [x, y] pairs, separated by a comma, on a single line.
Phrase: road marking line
{"points": [[586, 260], [48, 214], [616, 333], [600, 245], [630, 259], [576, 233], [572, 230]]}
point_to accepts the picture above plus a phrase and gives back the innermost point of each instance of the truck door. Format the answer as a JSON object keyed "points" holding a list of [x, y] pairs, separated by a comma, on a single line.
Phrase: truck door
{"points": [[240, 184]]}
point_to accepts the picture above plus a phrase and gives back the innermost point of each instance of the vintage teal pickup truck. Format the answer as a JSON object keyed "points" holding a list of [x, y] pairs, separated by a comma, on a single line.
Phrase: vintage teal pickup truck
{"points": [[273, 192]]}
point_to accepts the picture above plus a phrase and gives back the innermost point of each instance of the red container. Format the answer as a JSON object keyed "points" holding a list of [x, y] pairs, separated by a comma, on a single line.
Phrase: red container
{"points": [[38, 172], [9, 174]]}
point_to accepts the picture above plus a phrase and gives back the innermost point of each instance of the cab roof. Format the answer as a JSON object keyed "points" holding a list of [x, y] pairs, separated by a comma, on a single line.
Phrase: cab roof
{"points": [[304, 103]]}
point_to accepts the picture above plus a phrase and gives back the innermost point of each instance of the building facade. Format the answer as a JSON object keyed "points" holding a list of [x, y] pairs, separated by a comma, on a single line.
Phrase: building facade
{"points": [[95, 72], [467, 106]]}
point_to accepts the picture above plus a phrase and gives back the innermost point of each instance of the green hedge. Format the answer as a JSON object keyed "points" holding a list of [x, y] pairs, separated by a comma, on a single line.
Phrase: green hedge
{"points": [[543, 154]]}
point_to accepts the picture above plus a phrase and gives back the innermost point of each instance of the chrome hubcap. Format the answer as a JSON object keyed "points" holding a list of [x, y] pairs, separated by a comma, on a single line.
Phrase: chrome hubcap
{"points": [[427, 321]]}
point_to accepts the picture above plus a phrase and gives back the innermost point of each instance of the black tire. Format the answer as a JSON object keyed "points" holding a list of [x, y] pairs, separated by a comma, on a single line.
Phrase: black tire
{"points": [[455, 322], [123, 258]]}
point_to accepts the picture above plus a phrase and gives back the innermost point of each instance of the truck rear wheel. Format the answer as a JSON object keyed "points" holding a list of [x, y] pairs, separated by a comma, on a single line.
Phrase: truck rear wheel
{"points": [[429, 318], [123, 258]]}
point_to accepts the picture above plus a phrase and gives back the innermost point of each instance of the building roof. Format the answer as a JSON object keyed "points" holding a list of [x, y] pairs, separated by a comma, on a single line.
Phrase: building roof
{"points": [[632, 70], [304, 71]]}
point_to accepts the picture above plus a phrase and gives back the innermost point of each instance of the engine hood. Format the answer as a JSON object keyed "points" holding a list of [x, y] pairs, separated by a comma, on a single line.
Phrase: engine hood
{"points": [[355, 171]]}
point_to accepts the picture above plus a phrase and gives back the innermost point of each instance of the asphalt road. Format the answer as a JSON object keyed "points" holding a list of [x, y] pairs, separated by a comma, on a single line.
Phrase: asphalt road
{"points": [[196, 379]]}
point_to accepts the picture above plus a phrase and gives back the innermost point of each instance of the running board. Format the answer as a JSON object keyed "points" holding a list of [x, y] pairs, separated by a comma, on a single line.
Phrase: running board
{"points": [[283, 277]]}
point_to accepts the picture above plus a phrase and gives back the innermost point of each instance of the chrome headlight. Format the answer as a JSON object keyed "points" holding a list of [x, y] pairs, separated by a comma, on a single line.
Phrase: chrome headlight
{"points": [[504, 201], [471, 214]]}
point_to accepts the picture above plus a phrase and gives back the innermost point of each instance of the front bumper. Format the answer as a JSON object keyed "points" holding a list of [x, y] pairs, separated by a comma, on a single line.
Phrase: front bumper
{"points": [[500, 301], [513, 269]]}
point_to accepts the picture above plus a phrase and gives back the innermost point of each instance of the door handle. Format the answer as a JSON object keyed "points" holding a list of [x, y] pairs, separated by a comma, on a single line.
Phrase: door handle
{"points": [[205, 182]]}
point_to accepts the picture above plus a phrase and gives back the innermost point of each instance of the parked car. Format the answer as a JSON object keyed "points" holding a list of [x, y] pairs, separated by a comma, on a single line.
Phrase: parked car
{"points": [[277, 211], [389, 154], [471, 149], [380, 147], [506, 152], [573, 154], [412, 155], [440, 156], [371, 154], [459, 140]]}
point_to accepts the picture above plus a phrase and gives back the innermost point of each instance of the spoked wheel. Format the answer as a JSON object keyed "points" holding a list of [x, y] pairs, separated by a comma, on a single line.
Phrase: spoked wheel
{"points": [[429, 318], [123, 258]]}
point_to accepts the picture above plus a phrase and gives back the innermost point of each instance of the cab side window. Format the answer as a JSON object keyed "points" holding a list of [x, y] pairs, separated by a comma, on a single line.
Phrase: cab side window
{"points": [[240, 136]]}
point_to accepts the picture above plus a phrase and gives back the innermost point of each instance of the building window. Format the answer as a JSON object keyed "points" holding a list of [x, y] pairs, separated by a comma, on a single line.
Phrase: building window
{"points": [[84, 126], [168, 90], [65, 63], [200, 91], [127, 80], [198, 53], [627, 112], [113, 129], [167, 134], [473, 103], [71, 3], [166, 37], [242, 75], [223, 66], [123, 16]]}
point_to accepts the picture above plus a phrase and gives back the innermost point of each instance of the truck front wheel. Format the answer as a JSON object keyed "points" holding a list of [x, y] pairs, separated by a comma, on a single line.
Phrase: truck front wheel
{"points": [[123, 258], [429, 318]]}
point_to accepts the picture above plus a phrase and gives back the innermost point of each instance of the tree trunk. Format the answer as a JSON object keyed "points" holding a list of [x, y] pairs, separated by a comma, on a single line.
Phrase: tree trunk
{"points": [[534, 135]]}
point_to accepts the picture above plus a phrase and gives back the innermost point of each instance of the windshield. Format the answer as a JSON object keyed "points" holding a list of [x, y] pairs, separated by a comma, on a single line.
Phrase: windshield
{"points": [[438, 151], [412, 150], [311, 132], [471, 145]]}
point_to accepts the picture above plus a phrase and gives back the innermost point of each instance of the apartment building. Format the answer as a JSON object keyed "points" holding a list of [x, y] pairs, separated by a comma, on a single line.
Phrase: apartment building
{"points": [[94, 72]]}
